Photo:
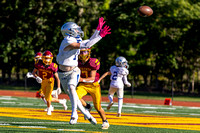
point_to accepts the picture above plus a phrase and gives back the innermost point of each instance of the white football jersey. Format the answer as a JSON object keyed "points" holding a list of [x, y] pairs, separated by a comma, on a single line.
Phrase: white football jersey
{"points": [[69, 57], [117, 73]]}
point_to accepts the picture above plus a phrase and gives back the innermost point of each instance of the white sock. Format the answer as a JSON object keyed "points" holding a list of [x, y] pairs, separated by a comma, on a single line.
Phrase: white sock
{"points": [[44, 100], [61, 101], [74, 100], [120, 103], [83, 110], [110, 97]]}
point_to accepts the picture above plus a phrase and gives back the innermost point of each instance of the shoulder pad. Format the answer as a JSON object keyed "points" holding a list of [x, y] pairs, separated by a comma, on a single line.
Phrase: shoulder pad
{"points": [[94, 63]]}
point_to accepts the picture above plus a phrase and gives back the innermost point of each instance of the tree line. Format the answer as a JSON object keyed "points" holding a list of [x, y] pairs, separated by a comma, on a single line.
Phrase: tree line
{"points": [[161, 49]]}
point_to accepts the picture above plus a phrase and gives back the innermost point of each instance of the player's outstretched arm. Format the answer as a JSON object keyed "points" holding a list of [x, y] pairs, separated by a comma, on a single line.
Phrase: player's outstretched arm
{"points": [[90, 43], [104, 75], [99, 27]]}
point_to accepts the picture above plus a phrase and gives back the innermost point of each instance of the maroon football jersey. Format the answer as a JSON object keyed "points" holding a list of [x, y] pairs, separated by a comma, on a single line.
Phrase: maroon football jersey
{"points": [[91, 64], [46, 72]]}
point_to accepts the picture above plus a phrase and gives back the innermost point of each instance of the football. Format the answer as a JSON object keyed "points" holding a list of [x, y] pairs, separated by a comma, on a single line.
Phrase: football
{"points": [[145, 11]]}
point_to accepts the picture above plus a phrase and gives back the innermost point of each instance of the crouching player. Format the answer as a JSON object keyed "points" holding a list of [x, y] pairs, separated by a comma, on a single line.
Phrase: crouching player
{"points": [[88, 83], [119, 73], [44, 72]]}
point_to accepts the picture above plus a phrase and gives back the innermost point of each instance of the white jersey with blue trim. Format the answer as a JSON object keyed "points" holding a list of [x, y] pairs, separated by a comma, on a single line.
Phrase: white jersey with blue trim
{"points": [[68, 57], [117, 73]]}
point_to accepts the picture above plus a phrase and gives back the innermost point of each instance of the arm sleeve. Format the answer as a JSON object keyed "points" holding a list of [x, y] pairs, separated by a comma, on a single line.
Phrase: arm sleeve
{"points": [[125, 80], [90, 43], [96, 33]]}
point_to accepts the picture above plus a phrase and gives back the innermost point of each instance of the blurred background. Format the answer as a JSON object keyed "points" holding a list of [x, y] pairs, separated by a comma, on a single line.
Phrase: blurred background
{"points": [[163, 50]]}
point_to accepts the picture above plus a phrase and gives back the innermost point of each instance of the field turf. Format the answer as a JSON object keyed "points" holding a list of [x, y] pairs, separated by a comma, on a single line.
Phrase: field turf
{"points": [[19, 114]]}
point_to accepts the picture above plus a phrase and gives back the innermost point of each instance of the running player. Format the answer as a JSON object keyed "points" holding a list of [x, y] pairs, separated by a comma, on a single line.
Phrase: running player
{"points": [[54, 94], [67, 59], [45, 71], [119, 73], [89, 82]]}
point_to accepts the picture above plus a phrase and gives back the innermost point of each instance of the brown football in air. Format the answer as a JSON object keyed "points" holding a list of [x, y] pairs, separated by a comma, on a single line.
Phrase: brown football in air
{"points": [[145, 11]]}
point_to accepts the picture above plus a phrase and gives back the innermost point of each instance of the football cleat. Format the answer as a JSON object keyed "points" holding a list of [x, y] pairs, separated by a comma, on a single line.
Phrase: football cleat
{"points": [[109, 105], [49, 111], [118, 115], [92, 120], [105, 125], [51, 108], [73, 121], [64, 101]]}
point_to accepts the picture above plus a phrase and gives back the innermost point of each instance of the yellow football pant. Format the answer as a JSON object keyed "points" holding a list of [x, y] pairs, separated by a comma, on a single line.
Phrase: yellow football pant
{"points": [[93, 89], [47, 86]]}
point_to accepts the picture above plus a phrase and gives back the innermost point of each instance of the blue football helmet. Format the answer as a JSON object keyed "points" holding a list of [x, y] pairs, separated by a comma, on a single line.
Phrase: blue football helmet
{"points": [[72, 29], [121, 62]]}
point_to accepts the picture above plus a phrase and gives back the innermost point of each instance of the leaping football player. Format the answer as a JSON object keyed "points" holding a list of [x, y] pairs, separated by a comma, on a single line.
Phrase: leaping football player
{"points": [[54, 94], [45, 71], [119, 73], [88, 83], [67, 58]]}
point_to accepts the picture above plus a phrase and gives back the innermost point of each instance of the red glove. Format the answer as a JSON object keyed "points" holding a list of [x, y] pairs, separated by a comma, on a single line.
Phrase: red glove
{"points": [[105, 31], [101, 23]]}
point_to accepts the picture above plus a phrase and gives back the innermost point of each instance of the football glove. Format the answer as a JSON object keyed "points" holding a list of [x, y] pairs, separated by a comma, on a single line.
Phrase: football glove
{"points": [[128, 84], [105, 31], [101, 23], [38, 79]]}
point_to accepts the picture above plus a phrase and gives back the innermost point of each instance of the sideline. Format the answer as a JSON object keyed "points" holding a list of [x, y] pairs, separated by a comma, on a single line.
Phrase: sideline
{"points": [[104, 99]]}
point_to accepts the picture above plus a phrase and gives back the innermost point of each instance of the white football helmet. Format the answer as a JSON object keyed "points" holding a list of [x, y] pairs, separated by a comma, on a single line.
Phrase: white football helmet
{"points": [[121, 62], [71, 29]]}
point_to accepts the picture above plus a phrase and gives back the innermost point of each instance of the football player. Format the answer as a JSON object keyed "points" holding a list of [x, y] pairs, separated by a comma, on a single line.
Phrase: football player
{"points": [[54, 94], [45, 71], [119, 73], [88, 83], [67, 59], [38, 56]]}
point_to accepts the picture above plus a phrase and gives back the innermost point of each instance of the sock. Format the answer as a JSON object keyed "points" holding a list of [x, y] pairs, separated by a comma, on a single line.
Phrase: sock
{"points": [[83, 110], [74, 100], [44, 100], [61, 101], [88, 106], [110, 97], [105, 120], [120, 102]]}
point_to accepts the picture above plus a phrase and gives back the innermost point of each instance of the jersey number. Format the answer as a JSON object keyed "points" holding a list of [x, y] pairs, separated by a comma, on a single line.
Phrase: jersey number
{"points": [[114, 77], [85, 73], [44, 75], [75, 56]]}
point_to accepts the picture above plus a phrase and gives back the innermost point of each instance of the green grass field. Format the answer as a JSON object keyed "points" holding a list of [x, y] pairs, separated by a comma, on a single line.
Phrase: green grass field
{"points": [[27, 115]]}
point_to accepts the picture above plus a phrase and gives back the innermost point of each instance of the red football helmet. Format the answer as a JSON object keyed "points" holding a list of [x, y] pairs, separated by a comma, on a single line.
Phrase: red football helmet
{"points": [[84, 54], [47, 57], [38, 56]]}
